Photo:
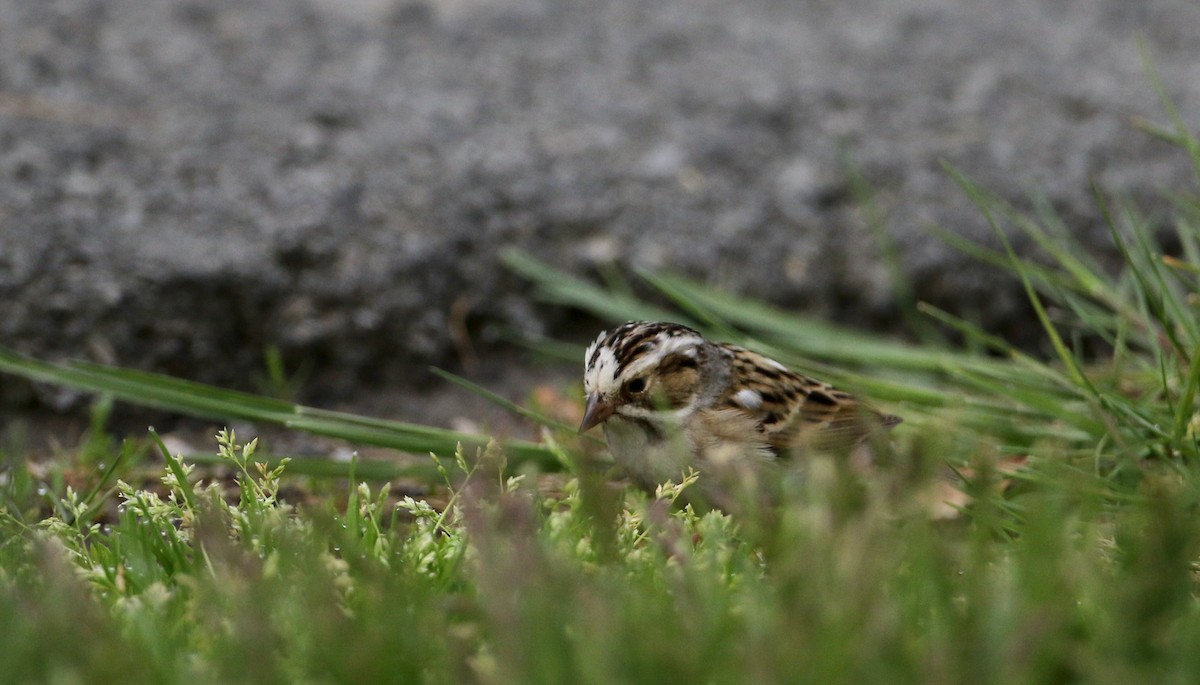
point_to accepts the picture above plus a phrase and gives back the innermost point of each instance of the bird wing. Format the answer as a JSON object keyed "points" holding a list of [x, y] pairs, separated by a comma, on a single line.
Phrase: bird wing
{"points": [[794, 411]]}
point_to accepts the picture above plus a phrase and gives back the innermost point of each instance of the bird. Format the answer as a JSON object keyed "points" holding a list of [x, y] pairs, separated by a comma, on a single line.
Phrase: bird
{"points": [[671, 401]]}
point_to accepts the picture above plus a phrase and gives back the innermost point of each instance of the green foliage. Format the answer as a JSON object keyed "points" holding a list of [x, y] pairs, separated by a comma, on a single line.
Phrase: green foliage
{"points": [[205, 401], [852, 582]]}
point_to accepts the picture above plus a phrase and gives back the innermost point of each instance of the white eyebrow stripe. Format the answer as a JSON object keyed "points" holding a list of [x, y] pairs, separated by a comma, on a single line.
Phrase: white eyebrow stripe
{"points": [[663, 348], [750, 399]]}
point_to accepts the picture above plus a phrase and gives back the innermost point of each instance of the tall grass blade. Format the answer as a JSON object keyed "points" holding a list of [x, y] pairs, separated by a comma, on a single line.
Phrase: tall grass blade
{"points": [[560, 288], [205, 401], [983, 202]]}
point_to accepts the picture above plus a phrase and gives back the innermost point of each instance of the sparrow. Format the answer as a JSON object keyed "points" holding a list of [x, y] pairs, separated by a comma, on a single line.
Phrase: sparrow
{"points": [[670, 400]]}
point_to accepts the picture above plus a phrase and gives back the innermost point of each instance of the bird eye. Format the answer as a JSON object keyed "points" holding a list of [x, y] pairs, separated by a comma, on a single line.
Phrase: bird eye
{"points": [[636, 385]]}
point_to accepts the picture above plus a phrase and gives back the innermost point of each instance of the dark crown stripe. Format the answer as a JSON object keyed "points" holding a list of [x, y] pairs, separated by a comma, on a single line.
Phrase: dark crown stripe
{"points": [[633, 339]]}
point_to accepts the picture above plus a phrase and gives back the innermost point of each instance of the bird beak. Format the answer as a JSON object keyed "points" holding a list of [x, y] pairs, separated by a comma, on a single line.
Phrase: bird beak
{"points": [[597, 410]]}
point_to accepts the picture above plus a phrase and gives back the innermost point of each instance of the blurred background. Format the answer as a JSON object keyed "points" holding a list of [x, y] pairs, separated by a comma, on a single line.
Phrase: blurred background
{"points": [[186, 185]]}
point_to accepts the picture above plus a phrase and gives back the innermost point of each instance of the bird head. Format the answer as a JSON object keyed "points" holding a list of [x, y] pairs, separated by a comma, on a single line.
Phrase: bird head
{"points": [[641, 370]]}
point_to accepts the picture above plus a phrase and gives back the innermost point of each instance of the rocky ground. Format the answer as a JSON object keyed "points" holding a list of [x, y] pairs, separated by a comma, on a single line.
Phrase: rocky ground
{"points": [[184, 184]]}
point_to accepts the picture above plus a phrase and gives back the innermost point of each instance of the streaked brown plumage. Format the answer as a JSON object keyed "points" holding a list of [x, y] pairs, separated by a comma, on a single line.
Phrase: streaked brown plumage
{"points": [[668, 399]]}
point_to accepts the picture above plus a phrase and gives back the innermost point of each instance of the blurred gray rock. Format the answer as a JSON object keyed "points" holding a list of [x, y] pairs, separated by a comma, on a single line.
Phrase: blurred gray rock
{"points": [[184, 183]]}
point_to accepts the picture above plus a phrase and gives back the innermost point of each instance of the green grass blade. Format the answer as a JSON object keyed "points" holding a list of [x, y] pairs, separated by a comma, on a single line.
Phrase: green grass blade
{"points": [[560, 288], [204, 401], [1182, 136], [1150, 299], [982, 201], [1185, 410], [507, 404], [811, 337], [176, 468], [375, 470]]}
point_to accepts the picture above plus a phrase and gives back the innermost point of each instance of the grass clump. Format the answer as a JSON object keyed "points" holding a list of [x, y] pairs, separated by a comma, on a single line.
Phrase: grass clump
{"points": [[507, 586]]}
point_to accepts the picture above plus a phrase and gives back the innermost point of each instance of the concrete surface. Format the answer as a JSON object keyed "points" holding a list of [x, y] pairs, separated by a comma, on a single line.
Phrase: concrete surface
{"points": [[185, 183]]}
